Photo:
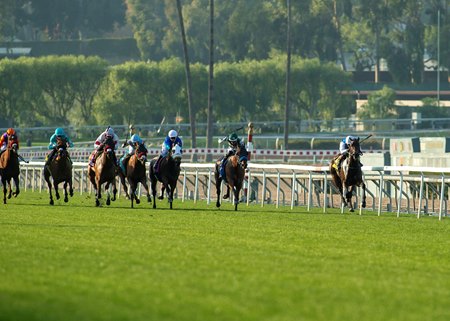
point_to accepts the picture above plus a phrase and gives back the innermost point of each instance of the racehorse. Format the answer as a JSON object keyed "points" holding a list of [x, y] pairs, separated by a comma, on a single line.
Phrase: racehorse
{"points": [[136, 173], [9, 168], [169, 170], [60, 170], [104, 171], [349, 175], [234, 176]]}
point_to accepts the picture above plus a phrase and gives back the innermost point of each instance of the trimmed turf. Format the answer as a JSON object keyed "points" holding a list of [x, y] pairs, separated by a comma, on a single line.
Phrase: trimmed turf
{"points": [[77, 262]]}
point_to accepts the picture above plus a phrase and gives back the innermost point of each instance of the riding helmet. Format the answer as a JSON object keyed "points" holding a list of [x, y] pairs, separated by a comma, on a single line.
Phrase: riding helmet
{"points": [[10, 131], [173, 134], [59, 132], [109, 131], [233, 137]]}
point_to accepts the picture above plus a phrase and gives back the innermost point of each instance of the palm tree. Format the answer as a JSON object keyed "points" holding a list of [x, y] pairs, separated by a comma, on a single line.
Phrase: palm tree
{"points": [[188, 80]]}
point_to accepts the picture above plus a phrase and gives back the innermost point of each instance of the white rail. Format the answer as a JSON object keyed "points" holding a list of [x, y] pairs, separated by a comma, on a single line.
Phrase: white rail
{"points": [[293, 185]]}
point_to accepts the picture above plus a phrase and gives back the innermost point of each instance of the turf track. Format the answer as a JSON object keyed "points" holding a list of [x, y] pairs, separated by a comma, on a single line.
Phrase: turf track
{"points": [[77, 262]]}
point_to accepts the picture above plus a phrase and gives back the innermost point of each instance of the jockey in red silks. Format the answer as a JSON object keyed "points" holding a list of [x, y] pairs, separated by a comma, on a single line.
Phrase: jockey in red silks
{"points": [[170, 141], [4, 139], [99, 145]]}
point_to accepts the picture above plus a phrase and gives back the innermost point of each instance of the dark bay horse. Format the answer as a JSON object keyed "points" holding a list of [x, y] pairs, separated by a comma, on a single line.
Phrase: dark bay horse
{"points": [[234, 177], [169, 170], [9, 168], [136, 173], [60, 170], [104, 171], [350, 175]]}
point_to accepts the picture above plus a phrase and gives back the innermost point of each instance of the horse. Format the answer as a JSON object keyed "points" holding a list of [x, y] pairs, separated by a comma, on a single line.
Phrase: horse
{"points": [[169, 170], [235, 167], [9, 168], [60, 170], [104, 171], [136, 173], [349, 175]]}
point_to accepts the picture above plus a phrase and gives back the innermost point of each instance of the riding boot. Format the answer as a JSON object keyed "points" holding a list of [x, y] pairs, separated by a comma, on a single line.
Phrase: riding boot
{"points": [[123, 163], [222, 166]]}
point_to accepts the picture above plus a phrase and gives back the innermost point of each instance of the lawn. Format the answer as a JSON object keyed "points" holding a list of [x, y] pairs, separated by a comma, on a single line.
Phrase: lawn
{"points": [[77, 262]]}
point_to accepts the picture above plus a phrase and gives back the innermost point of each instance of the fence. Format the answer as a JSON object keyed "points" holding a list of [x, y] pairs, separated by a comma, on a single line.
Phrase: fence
{"points": [[401, 189]]}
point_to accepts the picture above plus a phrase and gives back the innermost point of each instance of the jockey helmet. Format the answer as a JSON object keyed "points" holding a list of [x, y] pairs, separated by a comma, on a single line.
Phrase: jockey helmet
{"points": [[173, 134], [109, 131], [59, 132], [233, 137], [131, 127], [10, 131], [136, 139]]}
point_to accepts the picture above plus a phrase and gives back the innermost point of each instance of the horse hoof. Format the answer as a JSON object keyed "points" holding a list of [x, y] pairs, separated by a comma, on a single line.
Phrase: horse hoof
{"points": [[51, 202], [352, 210], [154, 205], [226, 196], [161, 197], [363, 205], [97, 203], [138, 201], [218, 204], [108, 202], [71, 193], [66, 199], [57, 197]]}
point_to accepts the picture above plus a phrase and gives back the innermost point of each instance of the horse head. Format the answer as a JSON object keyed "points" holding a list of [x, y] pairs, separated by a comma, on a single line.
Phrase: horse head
{"points": [[141, 152], [354, 150], [176, 154], [242, 158], [109, 146], [13, 142], [61, 146]]}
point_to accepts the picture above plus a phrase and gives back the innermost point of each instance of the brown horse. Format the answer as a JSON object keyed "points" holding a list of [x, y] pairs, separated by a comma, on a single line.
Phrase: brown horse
{"points": [[349, 175], [136, 173], [169, 170], [104, 171], [234, 177], [60, 170], [9, 168]]}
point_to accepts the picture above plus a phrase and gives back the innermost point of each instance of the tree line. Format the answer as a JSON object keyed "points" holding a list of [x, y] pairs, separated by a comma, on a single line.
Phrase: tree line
{"points": [[78, 90]]}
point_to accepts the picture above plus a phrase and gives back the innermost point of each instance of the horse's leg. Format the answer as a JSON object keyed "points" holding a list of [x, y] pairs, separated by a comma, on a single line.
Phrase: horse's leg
{"points": [[108, 194], [135, 192], [71, 187], [236, 191], [170, 189], [124, 184], [9, 188], [348, 195], [144, 183], [218, 185], [98, 192], [161, 196], [114, 188], [66, 195], [227, 195], [49, 184], [131, 192], [55, 186], [4, 190], [16, 182], [154, 182], [363, 201]]}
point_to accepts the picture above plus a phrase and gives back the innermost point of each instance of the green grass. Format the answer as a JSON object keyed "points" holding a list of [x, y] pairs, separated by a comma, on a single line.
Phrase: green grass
{"points": [[77, 262]]}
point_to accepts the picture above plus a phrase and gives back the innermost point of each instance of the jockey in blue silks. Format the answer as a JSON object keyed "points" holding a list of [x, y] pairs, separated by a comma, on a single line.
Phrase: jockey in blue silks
{"points": [[59, 134], [233, 141], [170, 141], [132, 143], [343, 150]]}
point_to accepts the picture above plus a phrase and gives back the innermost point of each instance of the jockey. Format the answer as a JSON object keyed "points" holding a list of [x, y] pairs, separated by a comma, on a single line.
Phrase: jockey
{"points": [[5, 138], [59, 133], [99, 144], [132, 143], [132, 131], [233, 141], [343, 150], [171, 140]]}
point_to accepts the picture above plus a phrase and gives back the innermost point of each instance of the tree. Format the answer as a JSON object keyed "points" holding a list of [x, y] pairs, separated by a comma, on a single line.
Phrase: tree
{"points": [[379, 105]]}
